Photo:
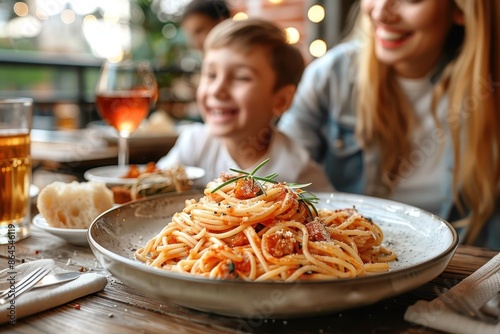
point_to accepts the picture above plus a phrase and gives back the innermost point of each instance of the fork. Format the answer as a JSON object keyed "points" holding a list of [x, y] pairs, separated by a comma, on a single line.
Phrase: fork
{"points": [[489, 312], [24, 285]]}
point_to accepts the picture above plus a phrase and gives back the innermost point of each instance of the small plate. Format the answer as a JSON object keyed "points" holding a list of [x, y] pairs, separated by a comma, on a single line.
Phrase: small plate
{"points": [[112, 174], [77, 237]]}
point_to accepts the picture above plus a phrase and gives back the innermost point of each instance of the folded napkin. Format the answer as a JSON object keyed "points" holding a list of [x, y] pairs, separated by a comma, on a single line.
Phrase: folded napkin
{"points": [[44, 298], [478, 288]]}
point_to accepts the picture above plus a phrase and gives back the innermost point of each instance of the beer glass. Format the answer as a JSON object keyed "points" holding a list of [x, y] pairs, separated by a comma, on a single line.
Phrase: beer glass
{"points": [[15, 169]]}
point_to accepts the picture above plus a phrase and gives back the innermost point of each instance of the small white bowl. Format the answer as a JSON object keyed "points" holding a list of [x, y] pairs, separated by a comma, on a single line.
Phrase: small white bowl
{"points": [[77, 237]]}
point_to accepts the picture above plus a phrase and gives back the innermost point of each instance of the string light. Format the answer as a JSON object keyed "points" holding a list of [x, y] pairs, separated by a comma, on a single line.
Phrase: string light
{"points": [[89, 19], [21, 9], [68, 16], [240, 16], [41, 14], [316, 13], [292, 35], [317, 48]]}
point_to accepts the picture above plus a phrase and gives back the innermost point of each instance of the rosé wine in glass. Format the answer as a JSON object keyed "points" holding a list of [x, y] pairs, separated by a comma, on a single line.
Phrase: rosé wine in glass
{"points": [[125, 91]]}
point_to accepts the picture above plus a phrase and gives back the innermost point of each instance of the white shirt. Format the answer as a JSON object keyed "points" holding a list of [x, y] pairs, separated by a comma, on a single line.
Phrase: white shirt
{"points": [[196, 147], [424, 170]]}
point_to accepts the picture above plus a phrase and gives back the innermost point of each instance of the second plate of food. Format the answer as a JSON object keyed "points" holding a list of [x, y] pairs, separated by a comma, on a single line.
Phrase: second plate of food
{"points": [[115, 175]]}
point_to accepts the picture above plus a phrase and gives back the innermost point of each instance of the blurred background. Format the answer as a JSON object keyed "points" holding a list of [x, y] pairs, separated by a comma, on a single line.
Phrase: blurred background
{"points": [[51, 50]]}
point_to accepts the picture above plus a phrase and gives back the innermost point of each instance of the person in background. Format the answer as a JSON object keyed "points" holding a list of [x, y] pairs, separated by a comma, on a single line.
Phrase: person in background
{"points": [[248, 78], [200, 16], [408, 109]]}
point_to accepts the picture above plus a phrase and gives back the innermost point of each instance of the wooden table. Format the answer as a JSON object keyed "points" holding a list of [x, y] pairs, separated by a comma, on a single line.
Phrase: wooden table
{"points": [[120, 309]]}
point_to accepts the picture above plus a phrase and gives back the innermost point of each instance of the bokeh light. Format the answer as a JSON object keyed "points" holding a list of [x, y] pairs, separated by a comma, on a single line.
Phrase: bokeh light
{"points": [[318, 48], [21, 9], [169, 30], [240, 16], [68, 16], [316, 13], [42, 15], [24, 27], [292, 35]]}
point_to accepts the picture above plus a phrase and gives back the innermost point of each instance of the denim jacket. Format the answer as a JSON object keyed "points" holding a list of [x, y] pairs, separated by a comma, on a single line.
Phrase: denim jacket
{"points": [[323, 117]]}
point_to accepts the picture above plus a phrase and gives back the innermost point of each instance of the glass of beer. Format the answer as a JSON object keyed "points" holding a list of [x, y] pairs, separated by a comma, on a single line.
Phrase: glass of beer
{"points": [[15, 168], [124, 94]]}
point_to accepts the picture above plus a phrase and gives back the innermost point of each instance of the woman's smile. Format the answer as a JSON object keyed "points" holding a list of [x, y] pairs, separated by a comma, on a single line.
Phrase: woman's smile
{"points": [[390, 38], [410, 35]]}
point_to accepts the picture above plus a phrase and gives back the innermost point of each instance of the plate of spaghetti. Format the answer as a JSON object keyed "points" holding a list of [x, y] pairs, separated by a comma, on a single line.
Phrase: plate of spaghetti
{"points": [[250, 247]]}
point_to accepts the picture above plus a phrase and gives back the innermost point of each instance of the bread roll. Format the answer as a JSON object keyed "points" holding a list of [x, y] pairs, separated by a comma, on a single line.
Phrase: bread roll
{"points": [[73, 205]]}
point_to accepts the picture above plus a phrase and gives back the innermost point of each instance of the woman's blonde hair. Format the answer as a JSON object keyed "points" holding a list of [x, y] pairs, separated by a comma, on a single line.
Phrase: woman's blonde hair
{"points": [[286, 60], [473, 115]]}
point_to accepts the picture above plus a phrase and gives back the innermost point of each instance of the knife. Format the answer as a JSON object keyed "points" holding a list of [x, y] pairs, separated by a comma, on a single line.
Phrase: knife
{"points": [[57, 278]]}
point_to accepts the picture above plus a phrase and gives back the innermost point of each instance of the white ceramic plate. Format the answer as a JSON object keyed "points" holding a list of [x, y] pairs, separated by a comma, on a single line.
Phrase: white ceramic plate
{"points": [[423, 242], [76, 237], [112, 174]]}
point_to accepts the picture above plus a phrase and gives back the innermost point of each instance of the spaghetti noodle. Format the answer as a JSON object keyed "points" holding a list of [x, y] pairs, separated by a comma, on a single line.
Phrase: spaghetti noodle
{"points": [[266, 231]]}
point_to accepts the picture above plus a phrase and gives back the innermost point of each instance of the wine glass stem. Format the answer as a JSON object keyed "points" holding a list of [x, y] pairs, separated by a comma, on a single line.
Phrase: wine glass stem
{"points": [[122, 151]]}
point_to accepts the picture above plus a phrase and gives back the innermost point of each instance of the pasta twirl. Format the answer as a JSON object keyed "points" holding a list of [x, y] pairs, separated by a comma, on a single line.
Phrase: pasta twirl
{"points": [[266, 233]]}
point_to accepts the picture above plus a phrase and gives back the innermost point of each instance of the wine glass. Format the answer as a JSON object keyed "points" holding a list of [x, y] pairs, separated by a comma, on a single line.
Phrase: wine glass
{"points": [[125, 91]]}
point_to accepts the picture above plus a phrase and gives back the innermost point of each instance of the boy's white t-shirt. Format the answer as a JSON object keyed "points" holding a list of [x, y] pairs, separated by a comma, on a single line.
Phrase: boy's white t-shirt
{"points": [[196, 147]]}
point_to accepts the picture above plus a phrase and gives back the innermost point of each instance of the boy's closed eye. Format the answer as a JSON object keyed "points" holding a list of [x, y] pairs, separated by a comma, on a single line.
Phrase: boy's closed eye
{"points": [[238, 76], [209, 74], [242, 77]]}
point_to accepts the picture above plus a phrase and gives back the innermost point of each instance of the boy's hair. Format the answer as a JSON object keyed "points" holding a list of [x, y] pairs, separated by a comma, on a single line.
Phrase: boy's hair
{"points": [[215, 9], [244, 35]]}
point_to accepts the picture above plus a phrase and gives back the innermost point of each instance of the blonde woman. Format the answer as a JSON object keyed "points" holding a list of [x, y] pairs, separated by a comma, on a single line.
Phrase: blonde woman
{"points": [[408, 108]]}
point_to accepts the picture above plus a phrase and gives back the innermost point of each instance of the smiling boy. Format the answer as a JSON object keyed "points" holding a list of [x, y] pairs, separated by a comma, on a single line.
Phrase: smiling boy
{"points": [[248, 79]]}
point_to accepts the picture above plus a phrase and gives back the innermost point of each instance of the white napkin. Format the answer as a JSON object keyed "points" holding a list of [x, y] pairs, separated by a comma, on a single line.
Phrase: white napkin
{"points": [[478, 288], [44, 298]]}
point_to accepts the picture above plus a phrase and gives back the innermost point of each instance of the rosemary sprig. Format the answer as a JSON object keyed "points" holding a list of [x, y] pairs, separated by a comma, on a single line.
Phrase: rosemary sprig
{"points": [[250, 176], [306, 197]]}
